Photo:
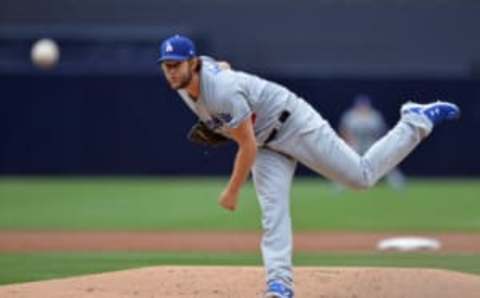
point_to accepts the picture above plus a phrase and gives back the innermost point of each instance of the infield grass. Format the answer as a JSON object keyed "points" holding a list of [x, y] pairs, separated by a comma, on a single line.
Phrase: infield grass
{"points": [[191, 204], [139, 204], [15, 268]]}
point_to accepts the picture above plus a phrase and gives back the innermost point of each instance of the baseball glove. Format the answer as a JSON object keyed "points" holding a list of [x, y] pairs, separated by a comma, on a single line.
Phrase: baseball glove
{"points": [[202, 135]]}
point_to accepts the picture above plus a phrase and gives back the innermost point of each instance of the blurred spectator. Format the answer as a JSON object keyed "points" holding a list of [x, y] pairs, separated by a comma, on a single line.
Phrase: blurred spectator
{"points": [[361, 126]]}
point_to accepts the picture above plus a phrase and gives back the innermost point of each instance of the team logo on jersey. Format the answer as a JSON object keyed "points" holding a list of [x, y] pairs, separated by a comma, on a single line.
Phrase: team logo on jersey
{"points": [[214, 123], [169, 47], [218, 120], [225, 117]]}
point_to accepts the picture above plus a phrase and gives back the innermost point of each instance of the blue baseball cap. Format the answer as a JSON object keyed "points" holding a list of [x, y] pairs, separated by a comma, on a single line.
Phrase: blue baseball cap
{"points": [[177, 48]]}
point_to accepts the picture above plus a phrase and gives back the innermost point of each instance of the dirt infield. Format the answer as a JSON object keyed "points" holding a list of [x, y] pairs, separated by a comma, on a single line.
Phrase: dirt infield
{"points": [[224, 282], [11, 241]]}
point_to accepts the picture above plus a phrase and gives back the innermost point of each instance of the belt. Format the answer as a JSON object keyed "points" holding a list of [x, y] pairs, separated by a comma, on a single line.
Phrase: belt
{"points": [[282, 118]]}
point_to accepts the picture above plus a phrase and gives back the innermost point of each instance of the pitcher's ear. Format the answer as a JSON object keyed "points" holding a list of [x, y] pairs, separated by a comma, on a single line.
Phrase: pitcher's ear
{"points": [[195, 64]]}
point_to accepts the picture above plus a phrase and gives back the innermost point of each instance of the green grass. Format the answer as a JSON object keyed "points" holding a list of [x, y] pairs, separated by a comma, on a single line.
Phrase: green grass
{"points": [[191, 204], [15, 268]]}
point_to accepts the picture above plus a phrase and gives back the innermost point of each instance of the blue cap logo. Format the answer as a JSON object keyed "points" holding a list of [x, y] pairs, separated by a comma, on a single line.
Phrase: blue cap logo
{"points": [[177, 48]]}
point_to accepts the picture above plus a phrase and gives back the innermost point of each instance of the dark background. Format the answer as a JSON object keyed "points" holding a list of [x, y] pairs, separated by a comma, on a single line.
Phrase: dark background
{"points": [[106, 109]]}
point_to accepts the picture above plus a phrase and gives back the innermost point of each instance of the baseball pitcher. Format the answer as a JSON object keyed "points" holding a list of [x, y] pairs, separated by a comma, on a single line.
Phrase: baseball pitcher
{"points": [[274, 129]]}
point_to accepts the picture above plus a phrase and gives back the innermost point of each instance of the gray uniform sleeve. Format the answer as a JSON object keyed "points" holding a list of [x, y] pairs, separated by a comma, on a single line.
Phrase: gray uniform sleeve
{"points": [[231, 106]]}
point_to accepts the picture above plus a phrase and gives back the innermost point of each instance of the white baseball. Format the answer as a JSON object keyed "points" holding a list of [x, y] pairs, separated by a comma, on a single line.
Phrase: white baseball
{"points": [[45, 53]]}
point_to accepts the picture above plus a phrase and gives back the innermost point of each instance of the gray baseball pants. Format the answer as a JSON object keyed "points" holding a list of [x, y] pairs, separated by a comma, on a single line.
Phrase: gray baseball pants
{"points": [[308, 138]]}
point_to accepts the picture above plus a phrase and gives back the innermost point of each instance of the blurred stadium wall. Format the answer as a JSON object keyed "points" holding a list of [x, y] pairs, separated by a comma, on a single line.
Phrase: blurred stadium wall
{"points": [[106, 110]]}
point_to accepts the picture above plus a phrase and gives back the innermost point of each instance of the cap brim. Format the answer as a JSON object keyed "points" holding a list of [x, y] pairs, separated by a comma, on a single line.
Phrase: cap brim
{"points": [[172, 58]]}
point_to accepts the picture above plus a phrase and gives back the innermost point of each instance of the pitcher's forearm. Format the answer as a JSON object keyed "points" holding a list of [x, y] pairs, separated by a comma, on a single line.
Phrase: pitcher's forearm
{"points": [[243, 163]]}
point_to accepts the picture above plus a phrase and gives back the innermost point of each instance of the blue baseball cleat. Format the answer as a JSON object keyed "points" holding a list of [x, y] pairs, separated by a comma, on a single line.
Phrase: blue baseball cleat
{"points": [[277, 289], [436, 112]]}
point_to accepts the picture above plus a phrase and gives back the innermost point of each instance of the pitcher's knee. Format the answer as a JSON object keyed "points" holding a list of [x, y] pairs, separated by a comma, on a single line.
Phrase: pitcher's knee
{"points": [[362, 182]]}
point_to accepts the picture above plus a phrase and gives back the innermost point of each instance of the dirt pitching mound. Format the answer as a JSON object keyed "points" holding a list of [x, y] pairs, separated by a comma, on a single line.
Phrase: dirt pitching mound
{"points": [[245, 282]]}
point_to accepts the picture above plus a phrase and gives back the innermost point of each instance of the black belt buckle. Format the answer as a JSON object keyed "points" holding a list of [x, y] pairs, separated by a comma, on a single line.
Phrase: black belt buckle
{"points": [[283, 117]]}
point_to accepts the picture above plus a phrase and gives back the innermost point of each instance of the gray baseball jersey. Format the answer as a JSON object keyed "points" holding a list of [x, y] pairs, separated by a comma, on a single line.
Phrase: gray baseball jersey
{"points": [[228, 97]]}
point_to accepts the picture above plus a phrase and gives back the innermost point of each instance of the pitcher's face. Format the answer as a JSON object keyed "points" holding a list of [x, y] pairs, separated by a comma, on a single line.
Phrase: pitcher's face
{"points": [[178, 73]]}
